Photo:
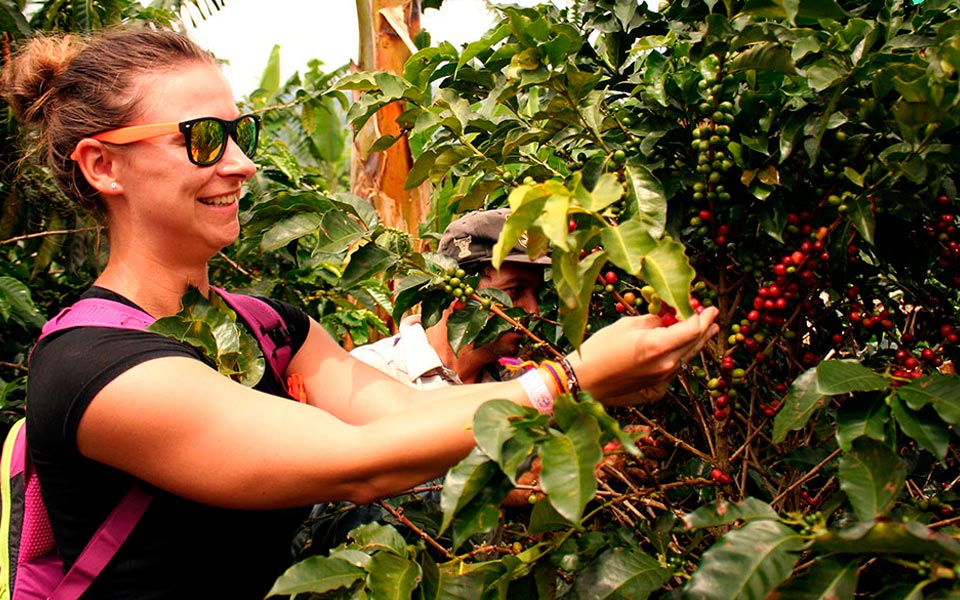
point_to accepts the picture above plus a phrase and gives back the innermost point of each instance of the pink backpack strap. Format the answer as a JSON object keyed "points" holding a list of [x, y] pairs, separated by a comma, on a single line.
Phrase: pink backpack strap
{"points": [[267, 326], [270, 330], [98, 312], [104, 544]]}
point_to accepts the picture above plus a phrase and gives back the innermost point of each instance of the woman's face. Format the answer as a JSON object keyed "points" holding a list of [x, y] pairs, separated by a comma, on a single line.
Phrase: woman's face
{"points": [[182, 210]]}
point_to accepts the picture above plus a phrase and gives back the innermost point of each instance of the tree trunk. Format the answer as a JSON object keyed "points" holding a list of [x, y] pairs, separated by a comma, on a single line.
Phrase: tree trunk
{"points": [[387, 29]]}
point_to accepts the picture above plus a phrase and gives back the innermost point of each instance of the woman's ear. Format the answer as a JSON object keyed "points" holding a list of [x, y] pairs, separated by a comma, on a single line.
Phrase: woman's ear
{"points": [[98, 165]]}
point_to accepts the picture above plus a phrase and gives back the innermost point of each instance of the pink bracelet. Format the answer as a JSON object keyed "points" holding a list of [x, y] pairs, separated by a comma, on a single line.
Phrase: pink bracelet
{"points": [[537, 391]]}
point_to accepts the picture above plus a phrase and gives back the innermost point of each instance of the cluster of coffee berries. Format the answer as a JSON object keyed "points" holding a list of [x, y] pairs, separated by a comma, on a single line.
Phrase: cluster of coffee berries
{"points": [[935, 505], [721, 388], [720, 477], [791, 286], [454, 282], [943, 231]]}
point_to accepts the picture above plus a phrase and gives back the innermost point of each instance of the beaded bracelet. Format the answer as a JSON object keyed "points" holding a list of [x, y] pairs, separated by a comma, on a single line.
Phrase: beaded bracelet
{"points": [[573, 384]]}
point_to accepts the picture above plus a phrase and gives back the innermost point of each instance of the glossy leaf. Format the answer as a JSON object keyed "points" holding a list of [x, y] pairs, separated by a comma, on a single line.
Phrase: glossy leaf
{"points": [[545, 518], [923, 426], [828, 578], [646, 192], [392, 576], [845, 376], [569, 463], [16, 303], [317, 574], [941, 391], [290, 229], [811, 390], [375, 537], [888, 536], [368, 261], [726, 512], [501, 430], [748, 563], [871, 475], [463, 482], [574, 283], [627, 244], [621, 573], [464, 325], [667, 268], [861, 417]]}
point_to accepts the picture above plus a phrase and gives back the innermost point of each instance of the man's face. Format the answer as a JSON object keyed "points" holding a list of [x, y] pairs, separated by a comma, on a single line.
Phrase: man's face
{"points": [[520, 281]]}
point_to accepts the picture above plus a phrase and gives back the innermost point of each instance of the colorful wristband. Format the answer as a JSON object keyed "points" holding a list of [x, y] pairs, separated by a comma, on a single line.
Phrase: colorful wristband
{"points": [[537, 391], [572, 384]]}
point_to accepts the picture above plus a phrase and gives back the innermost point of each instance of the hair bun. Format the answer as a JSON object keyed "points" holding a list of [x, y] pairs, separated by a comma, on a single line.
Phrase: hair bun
{"points": [[28, 79]]}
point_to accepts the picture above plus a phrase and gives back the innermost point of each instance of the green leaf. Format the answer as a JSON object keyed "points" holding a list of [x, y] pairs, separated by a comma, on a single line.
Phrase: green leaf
{"points": [[210, 326], [392, 576], [768, 56], [500, 428], [627, 243], [338, 231], [620, 573], [942, 391], [646, 193], [289, 229], [871, 475], [746, 563], [810, 391], [574, 279], [823, 74], [463, 482], [569, 463], [667, 268], [800, 9], [17, 303], [860, 213], [368, 261], [605, 192], [726, 512], [545, 518], [827, 578], [887, 536], [270, 78], [861, 417], [845, 376], [376, 537], [464, 325], [923, 426], [317, 574]]}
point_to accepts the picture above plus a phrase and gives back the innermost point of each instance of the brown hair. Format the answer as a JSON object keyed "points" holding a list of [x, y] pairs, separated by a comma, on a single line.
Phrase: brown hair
{"points": [[72, 87]]}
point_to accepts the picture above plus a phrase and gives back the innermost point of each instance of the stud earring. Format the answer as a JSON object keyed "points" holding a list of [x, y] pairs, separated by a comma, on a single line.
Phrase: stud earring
{"points": [[113, 185]]}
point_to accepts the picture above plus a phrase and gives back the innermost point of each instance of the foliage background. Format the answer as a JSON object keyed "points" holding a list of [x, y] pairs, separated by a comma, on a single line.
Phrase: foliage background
{"points": [[790, 162]]}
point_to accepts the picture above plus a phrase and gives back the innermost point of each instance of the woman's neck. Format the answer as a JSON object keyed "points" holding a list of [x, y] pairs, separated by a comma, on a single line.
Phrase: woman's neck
{"points": [[156, 290]]}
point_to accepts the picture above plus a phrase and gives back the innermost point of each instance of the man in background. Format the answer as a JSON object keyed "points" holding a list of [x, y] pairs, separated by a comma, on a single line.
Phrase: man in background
{"points": [[423, 358]]}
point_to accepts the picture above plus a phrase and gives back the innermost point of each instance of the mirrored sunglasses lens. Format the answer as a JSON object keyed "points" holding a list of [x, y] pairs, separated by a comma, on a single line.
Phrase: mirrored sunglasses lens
{"points": [[206, 141], [247, 130]]}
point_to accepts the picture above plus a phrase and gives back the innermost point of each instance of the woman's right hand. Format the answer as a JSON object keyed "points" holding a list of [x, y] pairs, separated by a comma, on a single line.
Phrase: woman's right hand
{"points": [[634, 359]]}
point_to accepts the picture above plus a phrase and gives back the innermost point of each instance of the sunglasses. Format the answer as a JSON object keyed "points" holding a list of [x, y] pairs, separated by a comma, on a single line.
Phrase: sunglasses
{"points": [[206, 137]]}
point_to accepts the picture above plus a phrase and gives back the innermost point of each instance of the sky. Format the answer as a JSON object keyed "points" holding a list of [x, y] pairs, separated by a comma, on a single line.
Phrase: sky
{"points": [[243, 32]]}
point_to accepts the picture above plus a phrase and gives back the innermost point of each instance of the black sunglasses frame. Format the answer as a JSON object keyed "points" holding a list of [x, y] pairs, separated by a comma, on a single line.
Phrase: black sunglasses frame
{"points": [[229, 129]]}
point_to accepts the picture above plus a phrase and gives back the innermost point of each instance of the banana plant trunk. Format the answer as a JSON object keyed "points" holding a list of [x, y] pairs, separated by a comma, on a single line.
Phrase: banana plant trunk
{"points": [[387, 29]]}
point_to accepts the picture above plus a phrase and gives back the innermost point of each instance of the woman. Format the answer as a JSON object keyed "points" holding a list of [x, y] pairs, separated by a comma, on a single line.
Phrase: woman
{"points": [[126, 119]]}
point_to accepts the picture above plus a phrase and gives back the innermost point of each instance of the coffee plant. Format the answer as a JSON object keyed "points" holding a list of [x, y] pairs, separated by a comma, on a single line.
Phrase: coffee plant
{"points": [[791, 163]]}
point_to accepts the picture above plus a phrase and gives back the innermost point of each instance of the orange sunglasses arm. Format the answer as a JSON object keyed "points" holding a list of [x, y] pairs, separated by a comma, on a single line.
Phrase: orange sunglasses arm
{"points": [[136, 133]]}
